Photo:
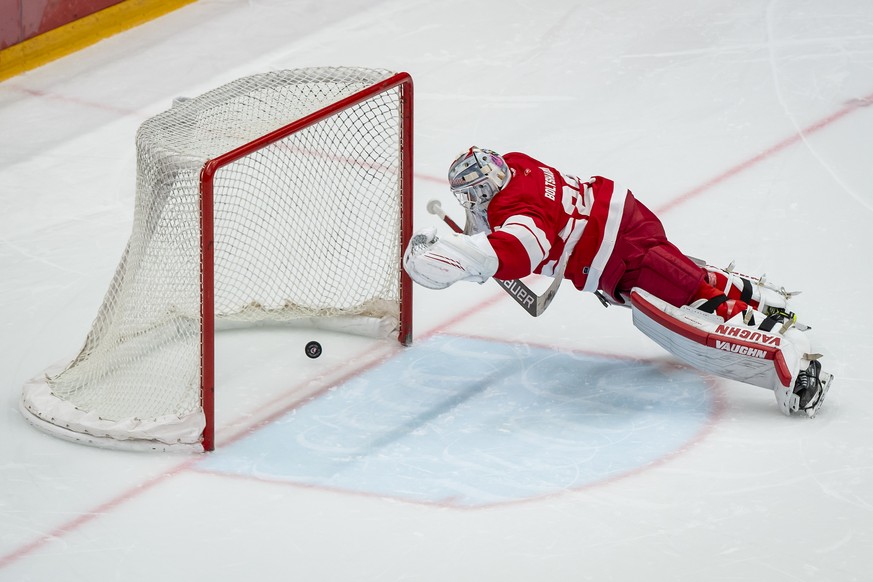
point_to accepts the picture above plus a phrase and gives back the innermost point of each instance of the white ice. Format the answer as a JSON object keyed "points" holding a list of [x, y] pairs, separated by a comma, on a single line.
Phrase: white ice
{"points": [[746, 125]]}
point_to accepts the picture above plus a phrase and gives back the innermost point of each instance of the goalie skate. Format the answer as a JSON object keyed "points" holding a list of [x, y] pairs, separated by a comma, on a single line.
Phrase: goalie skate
{"points": [[809, 391]]}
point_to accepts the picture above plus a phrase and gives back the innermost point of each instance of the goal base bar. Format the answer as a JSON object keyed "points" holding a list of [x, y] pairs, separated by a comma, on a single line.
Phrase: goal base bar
{"points": [[139, 445], [42, 409]]}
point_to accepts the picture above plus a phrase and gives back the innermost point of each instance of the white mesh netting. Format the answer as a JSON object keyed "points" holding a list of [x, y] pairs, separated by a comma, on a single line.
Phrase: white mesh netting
{"points": [[308, 226]]}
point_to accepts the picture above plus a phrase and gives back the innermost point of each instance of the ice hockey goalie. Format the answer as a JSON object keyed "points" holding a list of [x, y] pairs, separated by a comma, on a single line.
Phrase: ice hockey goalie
{"points": [[524, 216]]}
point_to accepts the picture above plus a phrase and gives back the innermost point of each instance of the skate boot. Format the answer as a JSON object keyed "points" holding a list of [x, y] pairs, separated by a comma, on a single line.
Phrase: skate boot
{"points": [[810, 389]]}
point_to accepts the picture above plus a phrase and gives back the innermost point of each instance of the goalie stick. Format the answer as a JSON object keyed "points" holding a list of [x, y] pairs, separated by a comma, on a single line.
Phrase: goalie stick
{"points": [[522, 294]]}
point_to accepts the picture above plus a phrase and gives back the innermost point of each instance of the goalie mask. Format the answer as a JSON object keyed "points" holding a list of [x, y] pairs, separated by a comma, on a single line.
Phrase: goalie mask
{"points": [[477, 175]]}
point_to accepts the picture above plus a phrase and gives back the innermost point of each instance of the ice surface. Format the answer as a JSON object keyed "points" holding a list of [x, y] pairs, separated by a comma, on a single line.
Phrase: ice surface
{"points": [[745, 124], [507, 423]]}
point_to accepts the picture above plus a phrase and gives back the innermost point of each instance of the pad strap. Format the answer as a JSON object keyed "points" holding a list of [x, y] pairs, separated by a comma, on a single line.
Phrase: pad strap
{"points": [[746, 293], [710, 305]]}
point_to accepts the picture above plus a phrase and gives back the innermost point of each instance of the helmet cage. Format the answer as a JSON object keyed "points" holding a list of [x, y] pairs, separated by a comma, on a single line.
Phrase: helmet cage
{"points": [[477, 175]]}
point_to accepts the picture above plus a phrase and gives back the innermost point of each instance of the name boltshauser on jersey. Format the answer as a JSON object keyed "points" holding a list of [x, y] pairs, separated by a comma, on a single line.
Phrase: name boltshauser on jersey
{"points": [[738, 349], [550, 183], [748, 334]]}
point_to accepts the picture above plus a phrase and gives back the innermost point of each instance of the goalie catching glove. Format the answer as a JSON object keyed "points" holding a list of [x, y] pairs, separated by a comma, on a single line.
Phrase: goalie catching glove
{"points": [[437, 262]]}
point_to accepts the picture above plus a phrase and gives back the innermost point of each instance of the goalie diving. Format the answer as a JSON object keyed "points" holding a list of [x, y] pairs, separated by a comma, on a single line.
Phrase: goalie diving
{"points": [[523, 217]]}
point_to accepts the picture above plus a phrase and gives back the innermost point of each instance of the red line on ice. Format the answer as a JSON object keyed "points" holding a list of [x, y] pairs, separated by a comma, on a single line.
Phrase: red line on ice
{"points": [[853, 105]]}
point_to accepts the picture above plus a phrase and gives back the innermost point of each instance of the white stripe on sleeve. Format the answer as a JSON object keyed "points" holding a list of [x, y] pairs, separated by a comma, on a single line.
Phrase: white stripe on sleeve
{"points": [[531, 237]]}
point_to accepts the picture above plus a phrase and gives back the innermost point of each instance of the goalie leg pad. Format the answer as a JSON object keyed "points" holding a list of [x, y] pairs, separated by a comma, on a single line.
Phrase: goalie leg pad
{"points": [[437, 262], [770, 359]]}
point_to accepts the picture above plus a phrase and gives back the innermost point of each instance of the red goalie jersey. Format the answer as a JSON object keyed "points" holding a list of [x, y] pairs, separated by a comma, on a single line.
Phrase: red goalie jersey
{"points": [[543, 220]]}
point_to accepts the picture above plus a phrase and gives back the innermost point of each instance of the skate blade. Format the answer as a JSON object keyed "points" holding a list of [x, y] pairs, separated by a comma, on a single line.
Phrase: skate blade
{"points": [[826, 380]]}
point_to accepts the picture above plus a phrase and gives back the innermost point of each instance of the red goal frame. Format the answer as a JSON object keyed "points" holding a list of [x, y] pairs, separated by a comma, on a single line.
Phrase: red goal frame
{"points": [[207, 241]]}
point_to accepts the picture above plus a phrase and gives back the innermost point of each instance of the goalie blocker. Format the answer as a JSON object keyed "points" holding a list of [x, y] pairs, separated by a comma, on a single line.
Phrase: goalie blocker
{"points": [[778, 359]]}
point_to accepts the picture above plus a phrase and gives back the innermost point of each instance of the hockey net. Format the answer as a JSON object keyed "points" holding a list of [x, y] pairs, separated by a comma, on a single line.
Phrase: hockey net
{"points": [[281, 197]]}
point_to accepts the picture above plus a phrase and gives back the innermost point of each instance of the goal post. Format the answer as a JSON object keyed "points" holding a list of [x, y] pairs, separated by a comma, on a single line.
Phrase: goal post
{"points": [[282, 198]]}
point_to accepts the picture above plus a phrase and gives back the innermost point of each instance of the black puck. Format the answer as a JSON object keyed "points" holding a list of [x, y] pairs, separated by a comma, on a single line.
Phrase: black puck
{"points": [[313, 349]]}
